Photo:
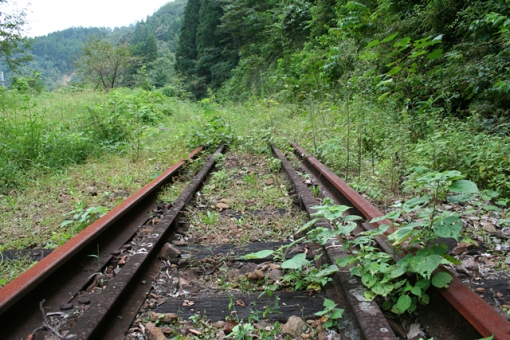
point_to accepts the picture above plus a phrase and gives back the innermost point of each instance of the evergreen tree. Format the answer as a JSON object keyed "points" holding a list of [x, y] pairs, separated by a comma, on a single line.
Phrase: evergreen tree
{"points": [[186, 54], [151, 49]]}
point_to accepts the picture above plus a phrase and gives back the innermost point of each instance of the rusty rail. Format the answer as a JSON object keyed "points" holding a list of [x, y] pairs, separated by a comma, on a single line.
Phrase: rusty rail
{"points": [[69, 265], [483, 317]]}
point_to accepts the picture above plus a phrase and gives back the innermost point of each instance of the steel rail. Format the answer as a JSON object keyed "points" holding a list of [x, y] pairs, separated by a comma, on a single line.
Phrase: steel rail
{"points": [[99, 321], [62, 273], [483, 317], [364, 317]]}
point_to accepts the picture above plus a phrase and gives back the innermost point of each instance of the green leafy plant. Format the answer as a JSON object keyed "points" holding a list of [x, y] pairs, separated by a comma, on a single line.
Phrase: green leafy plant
{"points": [[211, 218], [330, 314], [82, 217], [251, 180], [416, 242], [315, 190]]}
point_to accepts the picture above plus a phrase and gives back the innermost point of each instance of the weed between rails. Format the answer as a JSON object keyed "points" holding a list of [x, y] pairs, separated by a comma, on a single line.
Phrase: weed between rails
{"points": [[243, 201]]}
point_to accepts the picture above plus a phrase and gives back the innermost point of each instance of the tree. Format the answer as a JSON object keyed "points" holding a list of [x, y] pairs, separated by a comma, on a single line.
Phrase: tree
{"points": [[104, 64], [13, 45], [186, 54]]}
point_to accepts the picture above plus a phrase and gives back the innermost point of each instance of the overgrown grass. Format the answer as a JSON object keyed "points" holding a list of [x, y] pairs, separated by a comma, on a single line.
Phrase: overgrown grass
{"points": [[62, 153]]}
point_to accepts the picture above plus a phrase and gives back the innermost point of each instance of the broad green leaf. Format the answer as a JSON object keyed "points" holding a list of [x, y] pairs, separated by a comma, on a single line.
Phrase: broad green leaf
{"points": [[463, 186], [382, 289], [389, 38], [417, 54], [424, 284], [369, 295], [368, 280], [403, 42], [401, 235], [448, 227], [329, 304], [416, 291], [426, 265], [392, 215], [383, 96], [346, 229], [345, 261], [259, 255], [352, 218], [459, 198], [373, 43], [394, 70], [415, 203], [403, 303], [296, 262], [436, 54], [337, 314], [331, 269], [441, 280]]}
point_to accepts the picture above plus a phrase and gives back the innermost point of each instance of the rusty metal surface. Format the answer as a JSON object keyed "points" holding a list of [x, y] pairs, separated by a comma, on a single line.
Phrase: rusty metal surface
{"points": [[99, 316], [363, 319], [483, 317], [60, 275]]}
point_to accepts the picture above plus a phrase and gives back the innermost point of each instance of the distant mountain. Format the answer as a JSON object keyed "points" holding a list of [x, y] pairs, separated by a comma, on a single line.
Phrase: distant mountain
{"points": [[54, 54]]}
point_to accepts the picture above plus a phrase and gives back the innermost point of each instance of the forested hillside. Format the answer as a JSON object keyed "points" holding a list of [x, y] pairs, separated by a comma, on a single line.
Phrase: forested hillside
{"points": [[153, 40], [404, 83]]}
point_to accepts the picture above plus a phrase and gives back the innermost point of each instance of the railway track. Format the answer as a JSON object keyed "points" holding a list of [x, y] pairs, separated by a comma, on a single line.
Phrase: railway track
{"points": [[178, 267]]}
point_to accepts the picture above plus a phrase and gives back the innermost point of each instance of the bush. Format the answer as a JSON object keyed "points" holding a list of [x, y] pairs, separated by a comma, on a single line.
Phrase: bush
{"points": [[483, 157]]}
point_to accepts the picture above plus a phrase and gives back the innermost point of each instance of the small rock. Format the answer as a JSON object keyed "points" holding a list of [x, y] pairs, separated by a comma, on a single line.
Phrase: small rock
{"points": [[194, 331], [227, 328], [275, 274], [461, 248], [66, 306], [293, 327], [488, 227], [252, 277], [480, 290], [259, 274], [169, 252], [166, 330], [154, 316], [169, 318], [222, 206], [179, 243], [84, 300], [153, 332], [92, 191]]}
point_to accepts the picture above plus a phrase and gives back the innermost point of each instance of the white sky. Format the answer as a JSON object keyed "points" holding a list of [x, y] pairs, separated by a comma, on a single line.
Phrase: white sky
{"points": [[46, 16]]}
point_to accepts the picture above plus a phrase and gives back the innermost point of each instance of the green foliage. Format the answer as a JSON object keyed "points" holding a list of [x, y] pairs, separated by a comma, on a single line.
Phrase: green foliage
{"points": [[29, 84], [120, 121], [212, 129], [330, 313], [81, 217], [103, 63], [13, 44], [378, 270], [482, 157]]}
